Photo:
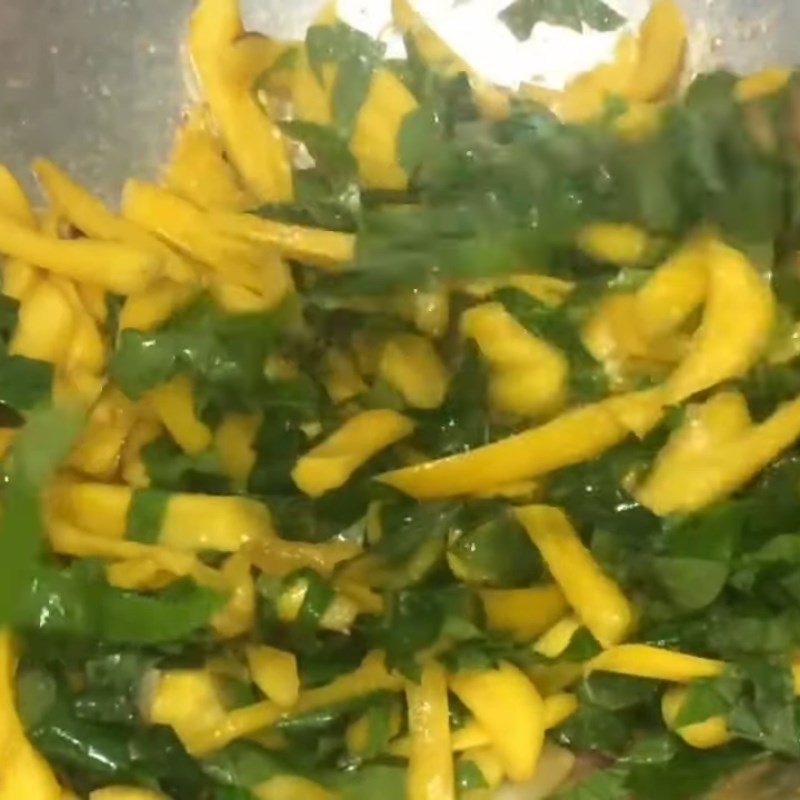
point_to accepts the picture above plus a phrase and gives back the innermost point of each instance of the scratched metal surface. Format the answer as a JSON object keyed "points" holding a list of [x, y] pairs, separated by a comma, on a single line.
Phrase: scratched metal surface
{"points": [[99, 84]]}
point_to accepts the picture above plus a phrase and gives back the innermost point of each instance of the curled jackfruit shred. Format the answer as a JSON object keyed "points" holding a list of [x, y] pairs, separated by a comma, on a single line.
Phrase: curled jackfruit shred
{"points": [[331, 463], [507, 705], [715, 452], [529, 375]]}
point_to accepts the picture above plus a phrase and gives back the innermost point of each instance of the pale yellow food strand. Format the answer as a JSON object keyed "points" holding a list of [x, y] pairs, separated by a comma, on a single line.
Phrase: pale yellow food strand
{"points": [[45, 324], [119, 268], [622, 244], [573, 437], [680, 483], [126, 793], [278, 557], [377, 130], [253, 141], [430, 768], [371, 676], [238, 615], [275, 673], [18, 275], [553, 642], [148, 309], [675, 290], [98, 449], [529, 375], [174, 404], [328, 250], [198, 169], [662, 43], [586, 96], [646, 661], [87, 213], [234, 442], [524, 613], [331, 463], [250, 56], [196, 522], [762, 84], [189, 228], [509, 708], [411, 365], [595, 597], [737, 322]]}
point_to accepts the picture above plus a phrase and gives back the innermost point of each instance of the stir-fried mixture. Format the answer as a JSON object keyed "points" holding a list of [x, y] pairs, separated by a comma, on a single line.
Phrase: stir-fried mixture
{"points": [[412, 437]]}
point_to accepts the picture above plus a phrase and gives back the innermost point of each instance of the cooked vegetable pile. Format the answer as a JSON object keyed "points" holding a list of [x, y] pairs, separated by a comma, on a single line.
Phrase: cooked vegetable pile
{"points": [[412, 438]]}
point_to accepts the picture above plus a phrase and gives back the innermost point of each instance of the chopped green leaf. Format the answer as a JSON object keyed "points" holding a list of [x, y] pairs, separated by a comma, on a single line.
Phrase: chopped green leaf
{"points": [[604, 784], [224, 353], [24, 382], [356, 55], [418, 135], [38, 451], [78, 603], [469, 777], [146, 514], [522, 15]]}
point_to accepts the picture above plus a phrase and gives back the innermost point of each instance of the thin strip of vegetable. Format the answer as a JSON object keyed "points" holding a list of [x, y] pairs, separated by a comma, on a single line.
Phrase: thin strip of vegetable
{"points": [[577, 435], [595, 597], [120, 268], [430, 766], [644, 661]]}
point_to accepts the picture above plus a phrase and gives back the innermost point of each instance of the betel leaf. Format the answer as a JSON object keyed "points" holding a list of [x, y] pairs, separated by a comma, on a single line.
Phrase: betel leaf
{"points": [[224, 353], [765, 712], [690, 774], [326, 195], [413, 540], [9, 313], [418, 617], [709, 697], [596, 729], [243, 764], [462, 421], [595, 497], [112, 686], [492, 548], [356, 55], [38, 451], [418, 135], [522, 15], [326, 146], [604, 784], [78, 603], [696, 558], [94, 753], [617, 692], [24, 382], [387, 782], [146, 514], [469, 777], [169, 468]]}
